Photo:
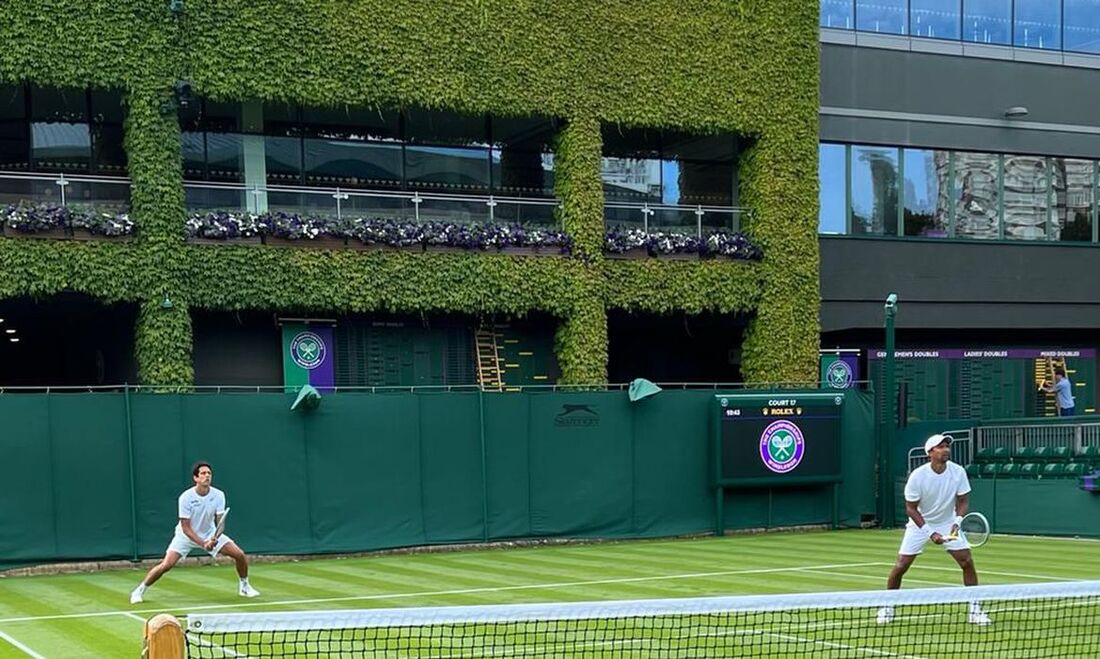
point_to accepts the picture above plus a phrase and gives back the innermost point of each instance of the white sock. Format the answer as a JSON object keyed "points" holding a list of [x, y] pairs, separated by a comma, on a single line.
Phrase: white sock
{"points": [[244, 581]]}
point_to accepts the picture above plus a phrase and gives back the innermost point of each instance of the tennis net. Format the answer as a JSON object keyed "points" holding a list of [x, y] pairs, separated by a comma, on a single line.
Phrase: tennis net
{"points": [[1033, 620]]}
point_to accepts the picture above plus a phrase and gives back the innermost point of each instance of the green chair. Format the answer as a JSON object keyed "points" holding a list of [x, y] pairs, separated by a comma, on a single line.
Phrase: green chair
{"points": [[1053, 470], [984, 455], [1029, 470], [1023, 454], [1008, 470], [1001, 454], [1075, 470], [990, 469], [1041, 454], [1060, 454], [1088, 455], [973, 470]]}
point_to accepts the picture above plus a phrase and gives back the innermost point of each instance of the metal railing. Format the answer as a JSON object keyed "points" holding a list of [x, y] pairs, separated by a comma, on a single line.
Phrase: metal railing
{"points": [[962, 449], [1012, 438], [99, 192], [410, 206], [669, 218]]}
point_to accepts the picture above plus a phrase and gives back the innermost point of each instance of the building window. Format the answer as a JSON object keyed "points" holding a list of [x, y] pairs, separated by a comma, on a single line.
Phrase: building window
{"points": [[1038, 24], [925, 192], [884, 16], [934, 19], [831, 163], [1082, 26], [1072, 184], [987, 21], [837, 14], [874, 193], [977, 189]]}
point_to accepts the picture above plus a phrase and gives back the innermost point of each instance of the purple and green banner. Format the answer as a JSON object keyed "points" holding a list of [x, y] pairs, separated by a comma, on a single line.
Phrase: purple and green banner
{"points": [[307, 357], [989, 353], [839, 370]]}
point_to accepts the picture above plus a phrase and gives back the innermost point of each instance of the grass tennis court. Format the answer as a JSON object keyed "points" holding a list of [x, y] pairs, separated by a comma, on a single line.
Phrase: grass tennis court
{"points": [[88, 614]]}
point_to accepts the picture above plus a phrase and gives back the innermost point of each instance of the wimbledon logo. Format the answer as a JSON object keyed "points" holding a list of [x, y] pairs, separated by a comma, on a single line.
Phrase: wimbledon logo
{"points": [[839, 375], [307, 350], [781, 446]]}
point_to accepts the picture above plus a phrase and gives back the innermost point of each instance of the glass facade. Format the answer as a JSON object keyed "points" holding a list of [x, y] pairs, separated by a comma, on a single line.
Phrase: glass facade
{"points": [[1071, 25], [49, 129], [441, 152], [933, 193]]}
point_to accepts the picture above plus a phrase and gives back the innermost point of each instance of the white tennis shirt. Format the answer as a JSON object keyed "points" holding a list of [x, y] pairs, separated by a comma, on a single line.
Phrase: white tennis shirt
{"points": [[200, 510], [936, 492]]}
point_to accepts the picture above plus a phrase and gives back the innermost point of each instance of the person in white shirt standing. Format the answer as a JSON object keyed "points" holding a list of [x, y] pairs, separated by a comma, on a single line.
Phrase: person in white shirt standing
{"points": [[200, 509], [937, 496]]}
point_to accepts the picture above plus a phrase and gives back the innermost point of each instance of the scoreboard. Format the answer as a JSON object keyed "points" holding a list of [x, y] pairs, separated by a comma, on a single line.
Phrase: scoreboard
{"points": [[775, 439]]}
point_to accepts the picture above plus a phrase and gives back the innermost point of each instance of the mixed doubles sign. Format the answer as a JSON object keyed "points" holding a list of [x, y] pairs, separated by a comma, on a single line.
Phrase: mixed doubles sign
{"points": [[778, 439]]}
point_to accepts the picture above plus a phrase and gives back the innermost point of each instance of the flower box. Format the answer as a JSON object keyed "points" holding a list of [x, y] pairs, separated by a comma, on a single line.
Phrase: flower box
{"points": [[448, 249], [679, 256], [81, 234], [635, 254], [320, 242], [239, 240], [56, 233], [531, 250], [358, 245]]}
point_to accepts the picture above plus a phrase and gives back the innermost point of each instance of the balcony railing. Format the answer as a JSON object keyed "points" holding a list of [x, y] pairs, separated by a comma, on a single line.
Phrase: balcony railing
{"points": [[397, 205], [104, 193], [689, 220]]}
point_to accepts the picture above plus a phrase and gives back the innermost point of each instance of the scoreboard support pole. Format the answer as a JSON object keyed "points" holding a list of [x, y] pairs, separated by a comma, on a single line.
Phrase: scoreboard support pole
{"points": [[719, 509]]}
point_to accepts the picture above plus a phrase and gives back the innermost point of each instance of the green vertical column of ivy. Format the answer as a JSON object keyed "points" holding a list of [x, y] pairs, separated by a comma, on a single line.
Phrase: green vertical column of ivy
{"points": [[581, 339], [779, 182], [163, 333]]}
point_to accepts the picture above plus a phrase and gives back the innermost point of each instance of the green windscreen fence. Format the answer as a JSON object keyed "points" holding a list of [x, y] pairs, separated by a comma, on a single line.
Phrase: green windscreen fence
{"points": [[96, 476]]}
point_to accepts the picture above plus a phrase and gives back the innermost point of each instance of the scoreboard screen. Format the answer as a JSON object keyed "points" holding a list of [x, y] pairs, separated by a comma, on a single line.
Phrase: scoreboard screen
{"points": [[778, 438]]}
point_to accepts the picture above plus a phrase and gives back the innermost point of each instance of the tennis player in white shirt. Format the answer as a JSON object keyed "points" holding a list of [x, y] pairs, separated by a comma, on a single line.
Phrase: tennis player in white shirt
{"points": [[200, 508], [937, 495]]}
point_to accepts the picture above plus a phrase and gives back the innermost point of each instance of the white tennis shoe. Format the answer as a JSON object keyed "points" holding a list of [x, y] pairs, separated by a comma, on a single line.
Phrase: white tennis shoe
{"points": [[248, 591], [136, 596], [885, 615]]}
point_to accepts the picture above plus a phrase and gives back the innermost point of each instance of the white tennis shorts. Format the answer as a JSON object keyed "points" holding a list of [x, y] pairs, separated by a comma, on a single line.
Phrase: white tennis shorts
{"points": [[915, 539], [183, 546]]}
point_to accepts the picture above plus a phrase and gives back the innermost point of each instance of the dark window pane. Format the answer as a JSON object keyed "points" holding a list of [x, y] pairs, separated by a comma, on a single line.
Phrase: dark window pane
{"points": [[54, 105], [711, 148], [432, 127], [695, 183], [350, 124], [61, 146], [987, 21], [107, 107], [1038, 24], [636, 143], [523, 173], [836, 13], [194, 155], [934, 19], [1026, 207], [926, 192], [332, 163], [886, 16], [1072, 198], [831, 195], [15, 143], [447, 169], [224, 157], [281, 120], [1082, 26], [874, 190], [221, 117], [283, 160], [108, 153], [527, 133], [12, 103]]}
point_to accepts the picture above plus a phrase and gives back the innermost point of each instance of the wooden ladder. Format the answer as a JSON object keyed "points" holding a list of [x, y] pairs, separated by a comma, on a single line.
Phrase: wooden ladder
{"points": [[490, 372]]}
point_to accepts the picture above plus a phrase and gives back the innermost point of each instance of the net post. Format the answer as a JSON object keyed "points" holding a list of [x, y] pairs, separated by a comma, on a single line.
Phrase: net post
{"points": [[163, 638]]}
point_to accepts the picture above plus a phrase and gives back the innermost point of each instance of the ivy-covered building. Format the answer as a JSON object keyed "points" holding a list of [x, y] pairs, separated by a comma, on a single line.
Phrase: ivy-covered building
{"points": [[584, 191]]}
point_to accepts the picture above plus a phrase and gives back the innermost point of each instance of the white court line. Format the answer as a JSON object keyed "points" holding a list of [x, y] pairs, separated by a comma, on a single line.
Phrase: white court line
{"points": [[17, 644], [1038, 577], [879, 577], [436, 593]]}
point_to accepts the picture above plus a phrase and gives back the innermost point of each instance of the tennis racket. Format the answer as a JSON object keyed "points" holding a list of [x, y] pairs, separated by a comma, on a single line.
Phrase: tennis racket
{"points": [[221, 524], [974, 527]]}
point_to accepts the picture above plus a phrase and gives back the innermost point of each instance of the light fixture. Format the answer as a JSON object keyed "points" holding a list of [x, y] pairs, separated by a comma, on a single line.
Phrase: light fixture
{"points": [[10, 331], [1, 320], [1015, 112], [166, 303], [175, 6], [14, 339]]}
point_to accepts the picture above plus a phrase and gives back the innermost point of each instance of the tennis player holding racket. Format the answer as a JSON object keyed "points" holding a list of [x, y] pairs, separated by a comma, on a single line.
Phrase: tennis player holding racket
{"points": [[200, 508], [937, 496]]}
